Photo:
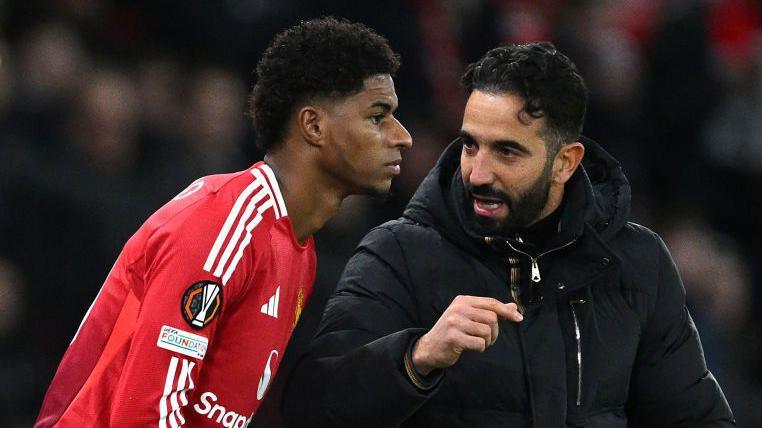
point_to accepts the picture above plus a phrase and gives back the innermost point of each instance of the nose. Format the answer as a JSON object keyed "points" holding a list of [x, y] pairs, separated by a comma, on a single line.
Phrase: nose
{"points": [[480, 172], [399, 137]]}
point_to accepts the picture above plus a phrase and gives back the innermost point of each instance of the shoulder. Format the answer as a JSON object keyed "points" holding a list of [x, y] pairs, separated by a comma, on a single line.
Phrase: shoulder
{"points": [[252, 191], [633, 231], [399, 244], [642, 253], [217, 221], [641, 241], [400, 230]]}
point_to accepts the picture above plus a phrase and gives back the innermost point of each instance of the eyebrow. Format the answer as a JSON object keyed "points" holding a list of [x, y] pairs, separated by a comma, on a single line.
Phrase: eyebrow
{"points": [[515, 145], [387, 107]]}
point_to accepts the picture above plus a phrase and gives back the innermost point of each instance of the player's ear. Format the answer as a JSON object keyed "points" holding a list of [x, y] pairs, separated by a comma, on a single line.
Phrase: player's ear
{"points": [[567, 160], [313, 124]]}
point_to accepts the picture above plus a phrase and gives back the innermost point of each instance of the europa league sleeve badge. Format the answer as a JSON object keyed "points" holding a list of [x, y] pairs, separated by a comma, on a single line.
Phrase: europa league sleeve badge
{"points": [[201, 302]]}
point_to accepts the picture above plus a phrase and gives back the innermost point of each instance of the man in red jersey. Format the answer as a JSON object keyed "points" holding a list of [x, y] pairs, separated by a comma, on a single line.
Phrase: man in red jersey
{"points": [[192, 321]]}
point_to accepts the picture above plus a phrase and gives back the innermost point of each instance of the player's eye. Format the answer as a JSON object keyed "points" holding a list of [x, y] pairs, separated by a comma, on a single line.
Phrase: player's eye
{"points": [[377, 119]]}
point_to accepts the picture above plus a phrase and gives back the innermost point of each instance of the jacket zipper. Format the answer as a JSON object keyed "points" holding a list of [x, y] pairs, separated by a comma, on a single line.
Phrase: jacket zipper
{"points": [[537, 278], [578, 337], [513, 272], [535, 267]]}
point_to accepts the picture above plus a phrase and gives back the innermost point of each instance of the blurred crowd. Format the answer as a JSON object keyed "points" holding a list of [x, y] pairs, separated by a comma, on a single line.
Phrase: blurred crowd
{"points": [[108, 108]]}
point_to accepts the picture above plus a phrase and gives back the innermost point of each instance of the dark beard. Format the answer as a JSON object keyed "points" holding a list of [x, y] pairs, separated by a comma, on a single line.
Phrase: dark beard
{"points": [[522, 211]]}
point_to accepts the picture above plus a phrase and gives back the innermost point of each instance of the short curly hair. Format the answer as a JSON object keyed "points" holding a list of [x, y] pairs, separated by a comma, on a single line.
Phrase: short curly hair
{"points": [[545, 78], [325, 57]]}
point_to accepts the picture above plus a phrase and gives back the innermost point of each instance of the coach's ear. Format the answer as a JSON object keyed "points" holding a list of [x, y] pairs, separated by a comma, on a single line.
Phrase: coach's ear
{"points": [[312, 124], [567, 160]]}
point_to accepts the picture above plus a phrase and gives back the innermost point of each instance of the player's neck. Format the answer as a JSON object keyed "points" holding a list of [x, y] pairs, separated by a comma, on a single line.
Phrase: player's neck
{"points": [[310, 203]]}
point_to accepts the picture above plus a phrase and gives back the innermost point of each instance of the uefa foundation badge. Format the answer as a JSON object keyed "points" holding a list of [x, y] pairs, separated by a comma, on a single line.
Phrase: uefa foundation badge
{"points": [[201, 302], [182, 342]]}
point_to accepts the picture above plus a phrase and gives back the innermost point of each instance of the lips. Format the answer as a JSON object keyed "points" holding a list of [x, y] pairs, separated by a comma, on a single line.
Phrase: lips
{"points": [[394, 166], [488, 207]]}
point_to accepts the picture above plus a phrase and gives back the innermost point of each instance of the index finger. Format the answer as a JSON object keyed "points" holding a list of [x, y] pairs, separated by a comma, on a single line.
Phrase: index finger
{"points": [[507, 311]]}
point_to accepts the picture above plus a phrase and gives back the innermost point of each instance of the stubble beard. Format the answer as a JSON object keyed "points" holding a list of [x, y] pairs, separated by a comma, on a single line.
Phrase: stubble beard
{"points": [[522, 211]]}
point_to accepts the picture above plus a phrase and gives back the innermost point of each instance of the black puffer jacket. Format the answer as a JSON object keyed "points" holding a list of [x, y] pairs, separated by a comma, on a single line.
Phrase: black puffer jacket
{"points": [[606, 340]]}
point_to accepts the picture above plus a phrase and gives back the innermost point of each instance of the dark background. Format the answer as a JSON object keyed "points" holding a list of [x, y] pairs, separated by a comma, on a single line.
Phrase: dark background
{"points": [[108, 108]]}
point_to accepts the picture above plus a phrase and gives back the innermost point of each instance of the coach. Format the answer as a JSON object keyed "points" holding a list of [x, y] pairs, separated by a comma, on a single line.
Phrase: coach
{"points": [[513, 292]]}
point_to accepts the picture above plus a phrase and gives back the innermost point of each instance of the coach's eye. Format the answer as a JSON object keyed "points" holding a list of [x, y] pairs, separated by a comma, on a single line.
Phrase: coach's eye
{"points": [[506, 151], [377, 119]]}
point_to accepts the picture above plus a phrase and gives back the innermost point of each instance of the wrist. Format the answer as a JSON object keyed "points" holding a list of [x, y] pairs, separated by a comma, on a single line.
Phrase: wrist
{"points": [[419, 358], [423, 381]]}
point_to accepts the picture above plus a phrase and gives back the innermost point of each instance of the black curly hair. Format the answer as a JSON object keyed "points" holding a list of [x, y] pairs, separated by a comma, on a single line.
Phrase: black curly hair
{"points": [[546, 79], [325, 57]]}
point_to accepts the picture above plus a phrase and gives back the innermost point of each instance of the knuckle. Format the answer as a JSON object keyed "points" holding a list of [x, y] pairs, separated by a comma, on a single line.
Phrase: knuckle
{"points": [[451, 321]]}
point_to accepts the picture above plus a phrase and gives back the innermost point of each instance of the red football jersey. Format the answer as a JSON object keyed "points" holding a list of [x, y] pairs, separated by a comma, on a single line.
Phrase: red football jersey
{"points": [[191, 324]]}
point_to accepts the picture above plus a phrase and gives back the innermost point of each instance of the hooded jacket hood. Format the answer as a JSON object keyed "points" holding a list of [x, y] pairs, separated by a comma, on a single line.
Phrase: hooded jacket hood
{"points": [[597, 195]]}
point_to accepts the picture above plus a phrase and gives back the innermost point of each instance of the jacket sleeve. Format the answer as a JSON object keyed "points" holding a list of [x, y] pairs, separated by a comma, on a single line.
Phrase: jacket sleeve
{"points": [[353, 373], [671, 385]]}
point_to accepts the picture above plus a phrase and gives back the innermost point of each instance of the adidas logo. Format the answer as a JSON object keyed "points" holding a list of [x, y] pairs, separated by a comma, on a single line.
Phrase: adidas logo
{"points": [[271, 307]]}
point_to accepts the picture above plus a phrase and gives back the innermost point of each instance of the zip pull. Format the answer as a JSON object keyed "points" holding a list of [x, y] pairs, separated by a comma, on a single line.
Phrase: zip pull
{"points": [[535, 270]]}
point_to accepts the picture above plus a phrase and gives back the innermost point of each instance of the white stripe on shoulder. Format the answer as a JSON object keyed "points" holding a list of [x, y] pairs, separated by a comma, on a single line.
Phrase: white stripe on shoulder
{"points": [[257, 173], [229, 222], [249, 227], [266, 195], [239, 230], [275, 188]]}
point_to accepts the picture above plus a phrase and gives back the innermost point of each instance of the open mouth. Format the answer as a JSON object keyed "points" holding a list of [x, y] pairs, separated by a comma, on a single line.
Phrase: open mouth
{"points": [[488, 207]]}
